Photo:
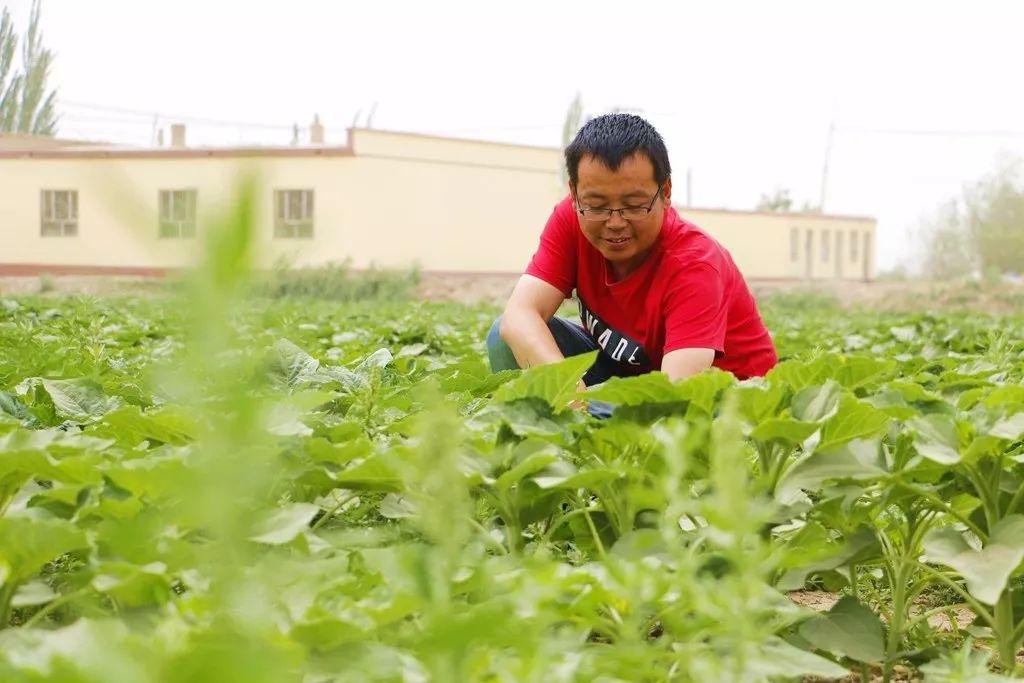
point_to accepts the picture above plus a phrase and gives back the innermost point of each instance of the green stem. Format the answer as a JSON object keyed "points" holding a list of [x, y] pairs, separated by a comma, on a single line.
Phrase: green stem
{"points": [[924, 616], [975, 606], [1004, 631], [333, 511], [487, 537], [593, 533], [944, 507], [988, 504], [565, 518], [899, 599], [6, 594], [54, 604], [1015, 501]]}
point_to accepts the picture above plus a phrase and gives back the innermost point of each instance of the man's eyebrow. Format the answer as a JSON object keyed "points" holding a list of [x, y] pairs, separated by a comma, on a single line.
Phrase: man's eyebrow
{"points": [[593, 194]]}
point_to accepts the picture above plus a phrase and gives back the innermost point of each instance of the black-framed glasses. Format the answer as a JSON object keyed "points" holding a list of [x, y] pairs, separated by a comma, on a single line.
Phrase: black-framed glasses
{"points": [[629, 213]]}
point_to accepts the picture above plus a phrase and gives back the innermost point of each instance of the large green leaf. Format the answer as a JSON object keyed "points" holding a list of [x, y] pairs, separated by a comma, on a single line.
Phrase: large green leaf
{"points": [[1010, 427], [129, 425], [860, 371], [779, 659], [816, 403], [74, 399], [849, 629], [26, 543], [987, 570], [858, 460], [936, 438], [854, 420], [555, 382], [652, 387], [784, 430], [283, 524], [373, 474]]}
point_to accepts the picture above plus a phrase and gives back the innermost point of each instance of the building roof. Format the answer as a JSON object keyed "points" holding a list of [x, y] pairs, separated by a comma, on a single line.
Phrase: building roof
{"points": [[101, 151], [29, 142], [51, 148], [778, 214]]}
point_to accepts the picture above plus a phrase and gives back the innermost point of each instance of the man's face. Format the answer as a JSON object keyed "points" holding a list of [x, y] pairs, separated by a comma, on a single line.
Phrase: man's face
{"points": [[625, 243]]}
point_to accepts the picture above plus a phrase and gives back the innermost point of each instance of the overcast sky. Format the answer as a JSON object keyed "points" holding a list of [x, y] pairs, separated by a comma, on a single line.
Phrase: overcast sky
{"points": [[743, 92]]}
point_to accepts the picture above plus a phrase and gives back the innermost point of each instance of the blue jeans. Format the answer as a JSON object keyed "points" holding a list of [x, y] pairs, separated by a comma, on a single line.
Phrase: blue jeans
{"points": [[572, 340]]}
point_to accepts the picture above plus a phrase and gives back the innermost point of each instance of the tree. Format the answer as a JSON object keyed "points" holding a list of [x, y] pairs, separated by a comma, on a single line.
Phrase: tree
{"points": [[778, 201], [981, 231], [8, 89], [25, 104], [782, 202], [994, 218], [947, 249], [573, 118]]}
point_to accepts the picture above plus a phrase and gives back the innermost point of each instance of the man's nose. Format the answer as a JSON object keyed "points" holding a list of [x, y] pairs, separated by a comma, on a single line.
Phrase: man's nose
{"points": [[616, 220]]}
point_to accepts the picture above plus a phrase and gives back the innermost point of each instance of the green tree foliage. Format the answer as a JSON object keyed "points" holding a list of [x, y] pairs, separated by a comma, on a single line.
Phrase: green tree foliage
{"points": [[947, 246], [571, 124], [777, 201], [9, 81], [981, 231], [25, 104], [994, 216], [573, 117], [781, 201]]}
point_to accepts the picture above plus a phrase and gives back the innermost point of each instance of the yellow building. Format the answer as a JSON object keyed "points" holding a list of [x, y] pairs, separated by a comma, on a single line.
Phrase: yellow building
{"points": [[385, 198]]}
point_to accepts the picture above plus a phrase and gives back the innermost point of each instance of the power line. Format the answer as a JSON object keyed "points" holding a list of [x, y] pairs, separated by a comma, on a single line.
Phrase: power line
{"points": [[189, 119], [933, 132]]}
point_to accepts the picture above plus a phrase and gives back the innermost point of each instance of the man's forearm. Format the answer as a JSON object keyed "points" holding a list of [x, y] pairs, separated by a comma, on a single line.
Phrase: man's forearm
{"points": [[530, 339]]}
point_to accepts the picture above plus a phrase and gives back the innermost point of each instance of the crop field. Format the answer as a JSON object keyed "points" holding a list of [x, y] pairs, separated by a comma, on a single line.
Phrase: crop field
{"points": [[206, 486]]}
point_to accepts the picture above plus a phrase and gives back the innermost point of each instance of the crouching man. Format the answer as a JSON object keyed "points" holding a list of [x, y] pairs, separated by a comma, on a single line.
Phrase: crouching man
{"points": [[655, 292]]}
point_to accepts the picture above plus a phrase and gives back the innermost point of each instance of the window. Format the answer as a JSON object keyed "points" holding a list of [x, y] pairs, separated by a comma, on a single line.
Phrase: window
{"points": [[854, 243], [293, 213], [826, 240], [177, 213], [59, 213], [794, 244]]}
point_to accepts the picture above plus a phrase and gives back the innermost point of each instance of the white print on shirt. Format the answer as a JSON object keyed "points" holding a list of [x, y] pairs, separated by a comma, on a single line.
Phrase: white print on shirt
{"points": [[618, 346]]}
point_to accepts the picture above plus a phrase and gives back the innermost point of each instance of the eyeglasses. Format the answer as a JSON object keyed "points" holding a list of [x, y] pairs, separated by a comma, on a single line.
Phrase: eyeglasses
{"points": [[630, 213]]}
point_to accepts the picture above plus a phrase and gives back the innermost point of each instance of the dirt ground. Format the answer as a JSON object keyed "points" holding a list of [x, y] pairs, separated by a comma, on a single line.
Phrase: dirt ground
{"points": [[1002, 298], [1005, 297]]}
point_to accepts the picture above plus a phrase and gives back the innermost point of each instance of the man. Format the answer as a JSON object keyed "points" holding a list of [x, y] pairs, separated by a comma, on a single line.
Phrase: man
{"points": [[655, 291]]}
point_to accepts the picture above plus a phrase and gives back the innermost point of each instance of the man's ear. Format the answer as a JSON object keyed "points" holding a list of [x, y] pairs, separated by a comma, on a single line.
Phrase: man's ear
{"points": [[666, 191]]}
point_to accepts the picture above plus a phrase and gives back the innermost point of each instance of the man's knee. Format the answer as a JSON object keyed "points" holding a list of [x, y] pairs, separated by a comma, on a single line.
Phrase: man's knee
{"points": [[494, 334]]}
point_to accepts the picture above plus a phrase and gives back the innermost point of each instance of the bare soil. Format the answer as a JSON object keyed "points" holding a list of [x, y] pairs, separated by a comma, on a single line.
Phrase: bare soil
{"points": [[910, 295]]}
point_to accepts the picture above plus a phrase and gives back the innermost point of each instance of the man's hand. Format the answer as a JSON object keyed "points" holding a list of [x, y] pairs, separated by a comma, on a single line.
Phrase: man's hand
{"points": [[524, 324], [683, 363]]}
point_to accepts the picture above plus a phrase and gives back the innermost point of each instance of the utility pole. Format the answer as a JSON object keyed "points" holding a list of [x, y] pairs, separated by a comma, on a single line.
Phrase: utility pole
{"points": [[824, 168]]}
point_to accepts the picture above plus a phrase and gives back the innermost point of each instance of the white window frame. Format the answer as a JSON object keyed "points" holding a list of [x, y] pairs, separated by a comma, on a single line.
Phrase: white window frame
{"points": [[826, 244], [854, 246], [293, 214], [177, 220], [51, 224]]}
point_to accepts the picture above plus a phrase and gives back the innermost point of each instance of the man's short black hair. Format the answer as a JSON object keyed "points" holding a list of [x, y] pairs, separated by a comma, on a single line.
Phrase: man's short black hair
{"points": [[614, 137]]}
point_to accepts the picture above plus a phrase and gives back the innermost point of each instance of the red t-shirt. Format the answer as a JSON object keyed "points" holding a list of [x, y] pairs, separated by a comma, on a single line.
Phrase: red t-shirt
{"points": [[687, 293]]}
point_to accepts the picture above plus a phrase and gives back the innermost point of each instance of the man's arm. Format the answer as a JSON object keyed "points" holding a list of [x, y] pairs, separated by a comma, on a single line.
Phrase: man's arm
{"points": [[683, 363], [524, 325]]}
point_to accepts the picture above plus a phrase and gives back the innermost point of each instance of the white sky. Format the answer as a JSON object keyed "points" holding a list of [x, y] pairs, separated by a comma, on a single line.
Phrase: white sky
{"points": [[743, 92]]}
